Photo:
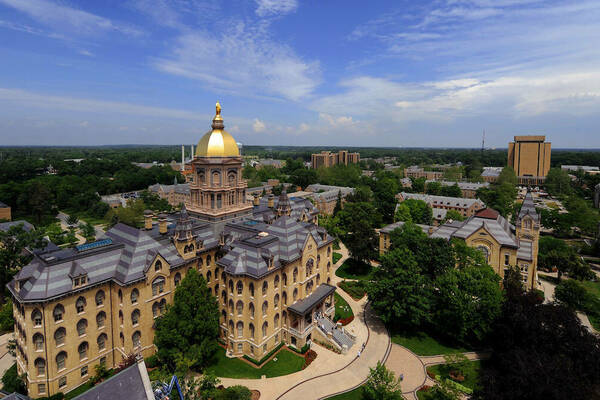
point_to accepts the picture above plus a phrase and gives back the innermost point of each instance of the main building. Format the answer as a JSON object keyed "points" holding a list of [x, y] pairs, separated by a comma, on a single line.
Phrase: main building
{"points": [[268, 264]]}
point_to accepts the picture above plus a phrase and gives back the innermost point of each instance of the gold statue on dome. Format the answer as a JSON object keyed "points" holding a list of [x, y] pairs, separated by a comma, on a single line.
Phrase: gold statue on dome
{"points": [[218, 106]]}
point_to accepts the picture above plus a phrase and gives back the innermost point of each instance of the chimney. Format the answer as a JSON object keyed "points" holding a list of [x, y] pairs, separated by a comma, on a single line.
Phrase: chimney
{"points": [[162, 224], [271, 202], [192, 155], [147, 219], [256, 200], [182, 157]]}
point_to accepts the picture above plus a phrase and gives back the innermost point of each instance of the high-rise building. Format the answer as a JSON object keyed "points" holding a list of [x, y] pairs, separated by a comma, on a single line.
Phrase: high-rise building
{"points": [[329, 159], [529, 156]]}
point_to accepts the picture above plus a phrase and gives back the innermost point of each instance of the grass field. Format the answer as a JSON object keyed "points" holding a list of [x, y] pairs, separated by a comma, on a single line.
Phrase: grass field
{"points": [[423, 344], [356, 289], [594, 289], [336, 257], [471, 375], [287, 363], [342, 309], [350, 269], [355, 394]]}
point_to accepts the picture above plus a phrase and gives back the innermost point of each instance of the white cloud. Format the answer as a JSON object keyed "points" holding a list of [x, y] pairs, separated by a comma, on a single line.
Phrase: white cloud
{"points": [[242, 60], [65, 18], [87, 53], [275, 7], [84, 124], [258, 125]]}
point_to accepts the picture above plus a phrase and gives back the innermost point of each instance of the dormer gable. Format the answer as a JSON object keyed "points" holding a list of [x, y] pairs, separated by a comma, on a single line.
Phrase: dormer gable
{"points": [[78, 275]]}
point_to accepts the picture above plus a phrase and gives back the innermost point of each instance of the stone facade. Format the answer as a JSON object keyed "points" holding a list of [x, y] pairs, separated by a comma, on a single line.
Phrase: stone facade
{"points": [[327, 159], [176, 194], [5, 212], [529, 156], [466, 207]]}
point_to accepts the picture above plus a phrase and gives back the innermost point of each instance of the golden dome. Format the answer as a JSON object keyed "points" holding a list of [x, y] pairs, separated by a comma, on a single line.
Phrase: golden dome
{"points": [[217, 142]]}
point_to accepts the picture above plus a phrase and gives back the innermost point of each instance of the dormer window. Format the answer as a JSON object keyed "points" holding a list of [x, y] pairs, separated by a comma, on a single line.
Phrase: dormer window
{"points": [[79, 281]]}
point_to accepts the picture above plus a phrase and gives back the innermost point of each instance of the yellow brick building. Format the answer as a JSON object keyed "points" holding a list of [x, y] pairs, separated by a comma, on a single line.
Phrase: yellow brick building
{"points": [[529, 156]]}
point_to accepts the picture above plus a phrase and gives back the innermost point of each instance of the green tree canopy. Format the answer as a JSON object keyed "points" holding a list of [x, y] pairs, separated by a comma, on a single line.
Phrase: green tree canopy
{"points": [[558, 182], [190, 327], [382, 384], [420, 211], [357, 222]]}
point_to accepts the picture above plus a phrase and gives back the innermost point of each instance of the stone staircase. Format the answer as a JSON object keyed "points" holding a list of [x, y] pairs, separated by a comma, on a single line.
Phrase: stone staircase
{"points": [[337, 333]]}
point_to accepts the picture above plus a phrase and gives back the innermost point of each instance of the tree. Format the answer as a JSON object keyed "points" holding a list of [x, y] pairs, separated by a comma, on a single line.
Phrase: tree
{"points": [[190, 325], [382, 385], [7, 320], [451, 191], [88, 231], [418, 185], [12, 382], [385, 200], [499, 196], [468, 301], [508, 176], [434, 188], [539, 351], [558, 182], [556, 253], [400, 294], [453, 215], [357, 221], [72, 220], [402, 213], [303, 177], [573, 295], [338, 203], [420, 211]]}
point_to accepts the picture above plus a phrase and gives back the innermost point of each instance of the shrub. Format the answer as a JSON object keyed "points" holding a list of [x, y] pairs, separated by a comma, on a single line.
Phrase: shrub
{"points": [[309, 357], [7, 321], [152, 361], [356, 289], [12, 382]]}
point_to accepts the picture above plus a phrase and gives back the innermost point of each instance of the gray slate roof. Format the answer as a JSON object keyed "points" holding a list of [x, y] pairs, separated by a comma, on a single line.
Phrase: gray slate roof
{"points": [[183, 188], [13, 396], [389, 228], [4, 226], [306, 304], [3, 205], [127, 384], [434, 201], [528, 208]]}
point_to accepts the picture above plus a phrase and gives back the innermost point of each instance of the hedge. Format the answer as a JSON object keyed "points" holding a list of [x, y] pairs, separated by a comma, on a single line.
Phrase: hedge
{"points": [[303, 350], [262, 360]]}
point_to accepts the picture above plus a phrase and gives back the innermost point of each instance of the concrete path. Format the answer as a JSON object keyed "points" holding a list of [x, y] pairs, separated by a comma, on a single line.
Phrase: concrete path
{"points": [[98, 231], [6, 360]]}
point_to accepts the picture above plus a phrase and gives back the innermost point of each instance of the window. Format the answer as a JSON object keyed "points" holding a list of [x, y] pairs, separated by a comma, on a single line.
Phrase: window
{"points": [[120, 296], [135, 317], [134, 296], [157, 265], [208, 276], [240, 287], [120, 317], [58, 312], [318, 279], [251, 309], [284, 279], [240, 329], [239, 307], [101, 319], [506, 259], [81, 327], [155, 309], [265, 287], [231, 329], [80, 305], [158, 285], [61, 359], [264, 329], [276, 321], [41, 388], [100, 298], [177, 279], [40, 366], [276, 301], [208, 260], [276, 281], [486, 253], [62, 382], [36, 317], [122, 339], [295, 275], [84, 370], [295, 296], [265, 306], [162, 306], [83, 350], [59, 336], [38, 341], [102, 341], [251, 288], [251, 329], [284, 298]]}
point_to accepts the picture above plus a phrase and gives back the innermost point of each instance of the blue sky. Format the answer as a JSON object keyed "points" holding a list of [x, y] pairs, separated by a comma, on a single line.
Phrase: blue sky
{"points": [[291, 72]]}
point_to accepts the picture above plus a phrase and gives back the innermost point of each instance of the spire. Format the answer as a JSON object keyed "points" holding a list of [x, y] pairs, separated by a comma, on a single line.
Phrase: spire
{"points": [[283, 206]]}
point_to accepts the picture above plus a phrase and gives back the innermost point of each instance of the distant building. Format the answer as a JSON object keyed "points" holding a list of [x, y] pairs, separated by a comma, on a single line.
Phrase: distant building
{"points": [[5, 212], [597, 196], [325, 196], [270, 162], [176, 194], [406, 183], [417, 172], [529, 156], [466, 207], [502, 244], [585, 168], [5, 226], [491, 174], [113, 200], [468, 189], [328, 159]]}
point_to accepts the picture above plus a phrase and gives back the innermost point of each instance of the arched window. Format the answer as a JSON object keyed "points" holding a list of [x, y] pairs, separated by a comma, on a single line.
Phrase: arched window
{"points": [[276, 281], [101, 319], [284, 279], [231, 328], [100, 297], [155, 309], [251, 309], [224, 315], [239, 307], [328, 280], [120, 317], [38, 341], [222, 276], [80, 304], [224, 296], [295, 275], [58, 312], [251, 329], [231, 286], [134, 296], [102, 341], [217, 274], [251, 288], [208, 260], [61, 360], [284, 298], [264, 329], [328, 251], [83, 350], [136, 339], [158, 285], [135, 317], [240, 287], [318, 260], [177, 279], [265, 287], [81, 327], [208, 276], [284, 317], [157, 265], [295, 296], [240, 329], [265, 306], [200, 262], [40, 366], [318, 279], [328, 265], [122, 338], [276, 321], [162, 306], [36, 317], [59, 336], [486, 253], [276, 300]]}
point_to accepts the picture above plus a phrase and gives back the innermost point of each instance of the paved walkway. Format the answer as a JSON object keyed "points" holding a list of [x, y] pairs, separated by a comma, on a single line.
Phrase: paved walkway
{"points": [[6, 360]]}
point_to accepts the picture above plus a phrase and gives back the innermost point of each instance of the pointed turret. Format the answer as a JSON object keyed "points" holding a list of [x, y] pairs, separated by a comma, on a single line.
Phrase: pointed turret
{"points": [[284, 207]]}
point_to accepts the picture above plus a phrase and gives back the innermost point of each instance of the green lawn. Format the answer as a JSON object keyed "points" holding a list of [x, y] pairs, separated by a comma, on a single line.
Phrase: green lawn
{"points": [[471, 375], [594, 289], [350, 269], [287, 363], [342, 309], [423, 344], [356, 289], [336, 257], [355, 394], [86, 217]]}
